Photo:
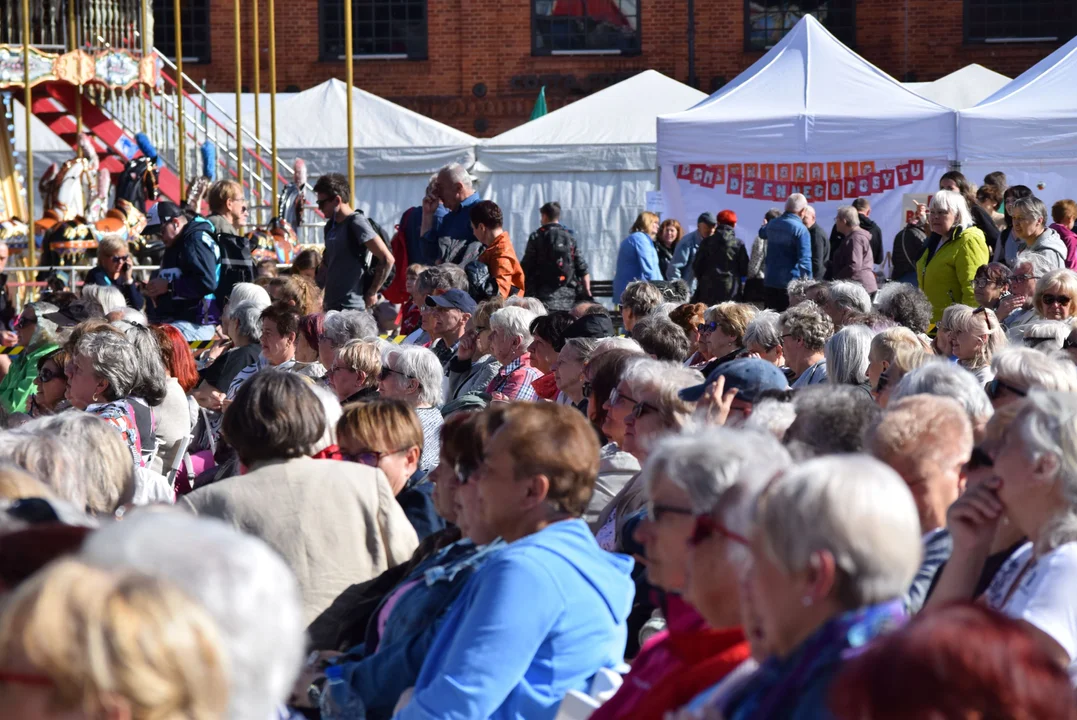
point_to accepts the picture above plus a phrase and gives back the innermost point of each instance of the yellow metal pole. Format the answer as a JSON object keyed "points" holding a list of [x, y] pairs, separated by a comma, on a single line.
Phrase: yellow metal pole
{"points": [[239, 97], [273, 97], [180, 148], [350, 80], [257, 89], [145, 53], [73, 42], [28, 116]]}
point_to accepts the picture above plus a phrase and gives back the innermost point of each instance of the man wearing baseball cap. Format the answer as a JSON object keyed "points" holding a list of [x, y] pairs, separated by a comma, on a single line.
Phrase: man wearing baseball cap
{"points": [[680, 267], [747, 379], [449, 313], [182, 292]]}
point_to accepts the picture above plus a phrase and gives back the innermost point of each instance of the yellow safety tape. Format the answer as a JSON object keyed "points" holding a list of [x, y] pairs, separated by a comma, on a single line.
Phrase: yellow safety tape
{"points": [[13, 350], [201, 344]]}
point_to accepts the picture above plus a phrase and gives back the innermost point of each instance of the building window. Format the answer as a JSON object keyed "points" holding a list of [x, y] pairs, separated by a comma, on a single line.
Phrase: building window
{"points": [[380, 28], [195, 17], [581, 27], [1019, 20], [767, 21]]}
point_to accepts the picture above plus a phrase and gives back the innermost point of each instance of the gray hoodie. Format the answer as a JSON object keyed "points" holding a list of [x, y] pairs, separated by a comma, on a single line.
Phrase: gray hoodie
{"points": [[1051, 246]]}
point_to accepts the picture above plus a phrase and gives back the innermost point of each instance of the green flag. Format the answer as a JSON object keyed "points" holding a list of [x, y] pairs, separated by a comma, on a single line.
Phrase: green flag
{"points": [[540, 104]]}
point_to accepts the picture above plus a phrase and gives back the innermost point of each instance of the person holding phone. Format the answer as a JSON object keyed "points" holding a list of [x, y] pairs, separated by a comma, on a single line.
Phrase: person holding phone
{"points": [[115, 266]]}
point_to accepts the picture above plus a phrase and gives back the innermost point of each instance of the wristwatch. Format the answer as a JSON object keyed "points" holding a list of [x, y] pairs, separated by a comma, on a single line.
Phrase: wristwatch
{"points": [[314, 692]]}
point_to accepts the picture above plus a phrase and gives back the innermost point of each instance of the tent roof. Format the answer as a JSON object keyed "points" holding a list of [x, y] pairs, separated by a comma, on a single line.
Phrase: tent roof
{"points": [[962, 88], [612, 129], [809, 96], [1032, 118]]}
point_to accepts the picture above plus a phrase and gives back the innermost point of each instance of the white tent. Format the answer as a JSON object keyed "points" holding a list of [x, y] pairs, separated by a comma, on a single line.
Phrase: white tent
{"points": [[596, 156], [810, 115], [396, 149], [962, 88]]}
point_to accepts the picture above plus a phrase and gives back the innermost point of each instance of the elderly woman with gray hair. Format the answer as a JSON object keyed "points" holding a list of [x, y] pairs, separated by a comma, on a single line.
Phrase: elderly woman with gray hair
{"points": [[37, 335], [413, 374], [1035, 487], [242, 323], [852, 259], [1030, 225], [835, 544], [1020, 370], [954, 252], [693, 482], [847, 356], [103, 371], [938, 377]]}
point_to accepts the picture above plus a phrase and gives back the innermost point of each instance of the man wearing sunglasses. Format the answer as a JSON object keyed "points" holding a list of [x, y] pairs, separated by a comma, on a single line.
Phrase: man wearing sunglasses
{"points": [[227, 207], [357, 261], [1016, 309]]}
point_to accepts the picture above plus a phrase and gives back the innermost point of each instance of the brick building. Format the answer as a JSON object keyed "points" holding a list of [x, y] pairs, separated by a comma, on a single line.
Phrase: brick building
{"points": [[478, 64]]}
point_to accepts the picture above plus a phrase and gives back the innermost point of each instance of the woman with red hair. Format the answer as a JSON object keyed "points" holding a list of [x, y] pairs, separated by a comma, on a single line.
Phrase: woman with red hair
{"points": [[958, 662], [311, 328], [177, 412]]}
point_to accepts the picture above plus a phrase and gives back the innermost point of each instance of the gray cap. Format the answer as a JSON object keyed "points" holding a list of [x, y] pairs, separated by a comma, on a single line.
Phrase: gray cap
{"points": [[707, 218]]}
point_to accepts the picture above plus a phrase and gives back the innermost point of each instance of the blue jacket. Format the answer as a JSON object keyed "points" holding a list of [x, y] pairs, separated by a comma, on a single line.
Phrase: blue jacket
{"points": [[636, 260], [417, 500], [540, 619], [788, 251], [378, 678], [192, 264], [454, 224], [421, 249], [680, 267]]}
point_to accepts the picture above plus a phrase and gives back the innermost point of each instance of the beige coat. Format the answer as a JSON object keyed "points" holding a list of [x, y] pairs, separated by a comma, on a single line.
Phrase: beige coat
{"points": [[335, 523]]}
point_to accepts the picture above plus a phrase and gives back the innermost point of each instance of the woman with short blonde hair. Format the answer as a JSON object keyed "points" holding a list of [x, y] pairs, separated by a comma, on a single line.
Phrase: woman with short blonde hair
{"points": [[78, 639], [724, 327], [354, 372], [637, 258], [1056, 295], [976, 336]]}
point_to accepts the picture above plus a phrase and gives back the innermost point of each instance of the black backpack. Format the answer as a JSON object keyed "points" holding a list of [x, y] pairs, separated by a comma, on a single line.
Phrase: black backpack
{"points": [[557, 259], [372, 262], [481, 285], [138, 182], [237, 265]]}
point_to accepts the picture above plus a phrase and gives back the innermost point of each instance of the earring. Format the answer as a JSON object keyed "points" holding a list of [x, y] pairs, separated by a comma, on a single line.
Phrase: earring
{"points": [[806, 601], [94, 398]]}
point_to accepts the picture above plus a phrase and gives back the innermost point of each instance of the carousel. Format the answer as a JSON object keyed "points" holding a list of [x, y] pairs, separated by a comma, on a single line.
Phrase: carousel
{"points": [[139, 130]]}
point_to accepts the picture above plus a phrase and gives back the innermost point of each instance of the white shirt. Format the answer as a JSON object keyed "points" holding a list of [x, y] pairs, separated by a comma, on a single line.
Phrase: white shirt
{"points": [[1043, 596]]}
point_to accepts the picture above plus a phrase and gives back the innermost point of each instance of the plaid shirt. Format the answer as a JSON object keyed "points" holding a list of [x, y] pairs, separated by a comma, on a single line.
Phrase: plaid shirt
{"points": [[514, 380]]}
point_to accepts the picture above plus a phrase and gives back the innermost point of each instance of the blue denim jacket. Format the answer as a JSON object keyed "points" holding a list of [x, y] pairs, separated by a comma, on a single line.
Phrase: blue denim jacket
{"points": [[788, 251], [379, 677]]}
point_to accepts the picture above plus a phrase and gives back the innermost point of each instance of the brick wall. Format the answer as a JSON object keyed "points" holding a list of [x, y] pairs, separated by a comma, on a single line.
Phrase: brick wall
{"points": [[489, 42]]}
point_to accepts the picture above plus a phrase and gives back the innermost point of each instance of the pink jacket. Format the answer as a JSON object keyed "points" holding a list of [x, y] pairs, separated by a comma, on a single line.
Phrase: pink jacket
{"points": [[1070, 239]]}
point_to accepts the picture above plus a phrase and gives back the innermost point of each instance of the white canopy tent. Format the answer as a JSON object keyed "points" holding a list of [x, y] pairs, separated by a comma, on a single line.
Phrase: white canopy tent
{"points": [[396, 149], [596, 156], [962, 88], [1028, 129], [810, 116]]}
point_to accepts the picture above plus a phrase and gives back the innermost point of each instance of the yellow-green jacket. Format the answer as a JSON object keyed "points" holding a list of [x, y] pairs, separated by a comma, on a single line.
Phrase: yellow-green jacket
{"points": [[946, 278]]}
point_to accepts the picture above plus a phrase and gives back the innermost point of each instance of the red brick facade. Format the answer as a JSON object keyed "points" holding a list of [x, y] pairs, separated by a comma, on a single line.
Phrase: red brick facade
{"points": [[489, 42]]}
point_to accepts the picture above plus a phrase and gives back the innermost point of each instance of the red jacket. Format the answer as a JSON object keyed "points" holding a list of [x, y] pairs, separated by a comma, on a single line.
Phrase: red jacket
{"points": [[675, 666]]}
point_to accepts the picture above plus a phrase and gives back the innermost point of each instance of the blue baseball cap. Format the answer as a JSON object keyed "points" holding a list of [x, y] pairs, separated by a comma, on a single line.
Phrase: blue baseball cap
{"points": [[454, 298], [750, 376]]}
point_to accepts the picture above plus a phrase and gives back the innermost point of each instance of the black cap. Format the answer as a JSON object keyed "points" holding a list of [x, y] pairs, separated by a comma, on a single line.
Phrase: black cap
{"points": [[71, 315], [590, 326], [707, 218], [160, 214]]}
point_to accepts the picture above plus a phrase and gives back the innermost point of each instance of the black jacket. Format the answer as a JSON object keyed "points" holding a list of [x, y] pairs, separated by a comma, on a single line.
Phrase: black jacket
{"points": [[982, 219], [908, 247], [97, 276], [820, 251], [543, 281], [192, 266], [720, 267]]}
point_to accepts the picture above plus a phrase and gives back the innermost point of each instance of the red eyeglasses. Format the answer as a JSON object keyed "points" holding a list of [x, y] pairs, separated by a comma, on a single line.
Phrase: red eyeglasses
{"points": [[707, 527], [17, 678]]}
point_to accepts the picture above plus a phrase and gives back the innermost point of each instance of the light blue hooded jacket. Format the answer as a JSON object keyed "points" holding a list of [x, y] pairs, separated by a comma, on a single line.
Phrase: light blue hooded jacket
{"points": [[539, 619]]}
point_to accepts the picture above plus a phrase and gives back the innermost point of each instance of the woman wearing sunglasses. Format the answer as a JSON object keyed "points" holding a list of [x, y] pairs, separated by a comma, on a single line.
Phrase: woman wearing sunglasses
{"points": [[386, 434], [692, 481], [1018, 370], [115, 268], [413, 374], [1056, 295], [37, 336], [51, 383]]}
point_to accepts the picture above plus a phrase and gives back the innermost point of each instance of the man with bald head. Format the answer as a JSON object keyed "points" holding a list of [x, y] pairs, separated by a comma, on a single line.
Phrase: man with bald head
{"points": [[820, 244], [927, 440], [456, 242]]}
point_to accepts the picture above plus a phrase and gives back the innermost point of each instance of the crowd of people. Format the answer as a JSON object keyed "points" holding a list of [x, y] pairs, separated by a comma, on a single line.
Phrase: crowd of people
{"points": [[415, 477]]}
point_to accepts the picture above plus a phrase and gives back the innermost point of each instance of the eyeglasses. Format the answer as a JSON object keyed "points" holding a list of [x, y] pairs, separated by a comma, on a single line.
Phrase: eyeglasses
{"points": [[585, 388], [1048, 299], [707, 527], [979, 459], [707, 327], [987, 317], [641, 408], [386, 371], [1023, 278], [981, 283], [616, 397], [120, 258], [338, 368], [655, 511], [996, 386], [371, 458], [28, 679], [321, 203], [47, 375]]}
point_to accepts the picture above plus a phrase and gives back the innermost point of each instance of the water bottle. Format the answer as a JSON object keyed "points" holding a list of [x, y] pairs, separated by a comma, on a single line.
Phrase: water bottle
{"points": [[338, 702]]}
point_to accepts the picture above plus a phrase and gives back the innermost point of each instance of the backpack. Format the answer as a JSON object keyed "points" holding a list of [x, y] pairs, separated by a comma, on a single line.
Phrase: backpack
{"points": [[138, 182], [557, 258], [372, 262], [396, 291], [237, 265], [481, 285]]}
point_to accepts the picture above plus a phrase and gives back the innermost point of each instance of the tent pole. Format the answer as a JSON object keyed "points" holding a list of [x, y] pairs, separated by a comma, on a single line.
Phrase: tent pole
{"points": [[348, 70], [28, 116], [273, 96], [239, 94], [181, 148]]}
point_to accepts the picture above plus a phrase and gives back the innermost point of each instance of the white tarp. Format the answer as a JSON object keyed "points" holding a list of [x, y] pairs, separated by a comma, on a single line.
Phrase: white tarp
{"points": [[1032, 121], [810, 116], [962, 88], [596, 156]]}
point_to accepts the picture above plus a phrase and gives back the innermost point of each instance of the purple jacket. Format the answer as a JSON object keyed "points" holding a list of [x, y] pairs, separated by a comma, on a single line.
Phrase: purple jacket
{"points": [[1070, 239], [854, 261]]}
